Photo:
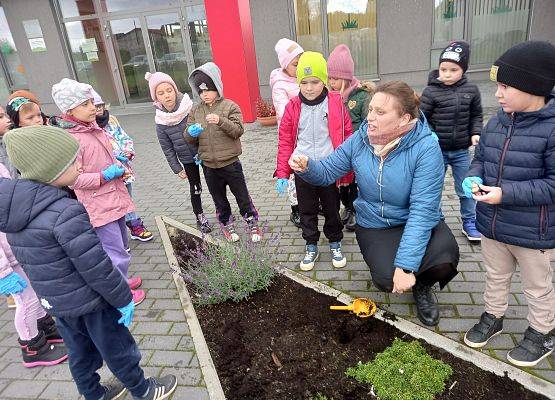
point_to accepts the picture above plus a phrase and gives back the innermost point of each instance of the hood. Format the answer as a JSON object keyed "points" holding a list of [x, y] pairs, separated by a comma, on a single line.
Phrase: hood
{"points": [[21, 200], [213, 71], [433, 79], [279, 75], [524, 119]]}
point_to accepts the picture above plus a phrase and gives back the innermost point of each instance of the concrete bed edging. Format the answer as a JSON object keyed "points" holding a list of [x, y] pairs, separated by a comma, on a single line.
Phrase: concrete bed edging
{"points": [[457, 349]]}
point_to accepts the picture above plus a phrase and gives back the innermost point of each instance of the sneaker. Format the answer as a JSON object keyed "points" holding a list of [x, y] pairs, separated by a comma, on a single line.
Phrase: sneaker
{"points": [[11, 302], [160, 388], [135, 282], [203, 224], [38, 352], [337, 258], [295, 216], [48, 326], [128, 250], [309, 258], [470, 231], [351, 222], [256, 234], [138, 296], [230, 233], [114, 390], [138, 231], [488, 327], [427, 310], [532, 349]]}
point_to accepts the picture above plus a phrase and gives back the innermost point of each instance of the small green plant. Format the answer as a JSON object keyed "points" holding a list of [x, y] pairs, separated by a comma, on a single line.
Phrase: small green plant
{"points": [[226, 272], [319, 396], [403, 371]]}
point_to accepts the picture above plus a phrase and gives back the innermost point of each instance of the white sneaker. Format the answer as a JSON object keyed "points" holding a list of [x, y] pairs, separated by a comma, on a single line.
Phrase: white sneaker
{"points": [[337, 258], [310, 257]]}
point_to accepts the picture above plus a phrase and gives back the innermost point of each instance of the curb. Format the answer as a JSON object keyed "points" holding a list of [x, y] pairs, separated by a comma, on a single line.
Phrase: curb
{"points": [[457, 349]]}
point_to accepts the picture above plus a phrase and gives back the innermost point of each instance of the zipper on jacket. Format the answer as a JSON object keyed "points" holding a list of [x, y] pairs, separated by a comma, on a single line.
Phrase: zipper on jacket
{"points": [[501, 162], [543, 222], [455, 120]]}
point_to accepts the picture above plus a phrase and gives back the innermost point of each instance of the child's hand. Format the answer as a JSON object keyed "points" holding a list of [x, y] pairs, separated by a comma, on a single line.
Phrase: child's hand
{"points": [[467, 185], [195, 130], [126, 314], [212, 119], [281, 185], [182, 174], [298, 163], [122, 158], [475, 139], [12, 284], [492, 194], [112, 172]]}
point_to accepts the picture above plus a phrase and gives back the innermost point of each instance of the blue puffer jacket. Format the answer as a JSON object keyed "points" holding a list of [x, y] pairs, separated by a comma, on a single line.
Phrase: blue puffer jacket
{"points": [[517, 153], [404, 189], [52, 238]]}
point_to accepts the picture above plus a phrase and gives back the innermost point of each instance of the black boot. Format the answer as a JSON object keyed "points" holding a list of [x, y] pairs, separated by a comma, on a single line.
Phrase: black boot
{"points": [[38, 352], [426, 304], [295, 216], [351, 222], [48, 326]]}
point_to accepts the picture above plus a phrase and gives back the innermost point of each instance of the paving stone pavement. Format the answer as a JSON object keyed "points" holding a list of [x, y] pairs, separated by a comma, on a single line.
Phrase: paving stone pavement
{"points": [[159, 326]]}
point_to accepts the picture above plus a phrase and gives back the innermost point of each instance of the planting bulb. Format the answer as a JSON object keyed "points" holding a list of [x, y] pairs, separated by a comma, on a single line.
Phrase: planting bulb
{"points": [[401, 370]]}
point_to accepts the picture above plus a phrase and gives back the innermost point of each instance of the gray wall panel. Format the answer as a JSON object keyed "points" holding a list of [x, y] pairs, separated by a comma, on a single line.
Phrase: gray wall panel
{"points": [[542, 26]]}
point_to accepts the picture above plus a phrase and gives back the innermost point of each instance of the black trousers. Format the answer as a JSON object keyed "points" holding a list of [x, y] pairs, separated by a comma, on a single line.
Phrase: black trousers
{"points": [[96, 337], [348, 195], [193, 176], [217, 180], [309, 196], [379, 249]]}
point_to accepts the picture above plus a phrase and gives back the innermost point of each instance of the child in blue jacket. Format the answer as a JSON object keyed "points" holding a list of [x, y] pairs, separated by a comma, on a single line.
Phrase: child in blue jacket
{"points": [[71, 273]]}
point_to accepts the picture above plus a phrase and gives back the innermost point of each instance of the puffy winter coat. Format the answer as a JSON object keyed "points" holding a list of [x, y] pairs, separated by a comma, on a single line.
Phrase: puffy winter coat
{"points": [[339, 128], [284, 88], [404, 189], [454, 112], [53, 240], [7, 259], [358, 102], [517, 153], [105, 201]]}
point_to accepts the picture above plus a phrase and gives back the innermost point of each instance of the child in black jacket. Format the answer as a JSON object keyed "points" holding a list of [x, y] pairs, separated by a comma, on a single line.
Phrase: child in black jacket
{"points": [[453, 108]]}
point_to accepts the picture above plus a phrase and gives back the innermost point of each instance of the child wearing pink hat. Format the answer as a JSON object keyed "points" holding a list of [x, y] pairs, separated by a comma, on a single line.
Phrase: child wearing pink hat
{"points": [[356, 95], [283, 82]]}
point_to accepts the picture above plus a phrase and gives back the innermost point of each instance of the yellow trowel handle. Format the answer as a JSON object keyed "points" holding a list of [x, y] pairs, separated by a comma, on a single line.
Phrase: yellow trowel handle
{"points": [[347, 308]]}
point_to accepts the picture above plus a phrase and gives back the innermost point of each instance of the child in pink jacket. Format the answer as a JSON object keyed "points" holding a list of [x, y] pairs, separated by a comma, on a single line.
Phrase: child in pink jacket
{"points": [[99, 187], [283, 82]]}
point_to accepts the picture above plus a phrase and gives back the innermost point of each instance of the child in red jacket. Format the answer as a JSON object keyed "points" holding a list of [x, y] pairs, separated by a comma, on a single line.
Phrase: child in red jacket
{"points": [[314, 124]]}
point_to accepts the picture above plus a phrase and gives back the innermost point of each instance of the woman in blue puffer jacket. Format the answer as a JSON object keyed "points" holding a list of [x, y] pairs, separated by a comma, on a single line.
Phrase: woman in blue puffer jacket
{"points": [[399, 170]]}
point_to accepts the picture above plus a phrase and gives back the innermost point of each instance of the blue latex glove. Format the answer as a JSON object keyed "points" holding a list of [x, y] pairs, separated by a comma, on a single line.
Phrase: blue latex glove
{"points": [[467, 184], [281, 185], [122, 158], [12, 284], [112, 172], [197, 160], [195, 130], [126, 314]]}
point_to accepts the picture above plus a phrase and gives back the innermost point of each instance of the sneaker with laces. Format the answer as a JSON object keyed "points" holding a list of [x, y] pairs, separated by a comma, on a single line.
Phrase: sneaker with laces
{"points": [[160, 388], [135, 282], [203, 224], [256, 234], [310, 257], [230, 233], [534, 347], [337, 258], [488, 327], [470, 231], [114, 390], [138, 296]]}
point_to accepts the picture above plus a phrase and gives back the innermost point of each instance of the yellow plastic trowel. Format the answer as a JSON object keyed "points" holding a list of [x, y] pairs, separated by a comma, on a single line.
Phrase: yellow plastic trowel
{"points": [[362, 307]]}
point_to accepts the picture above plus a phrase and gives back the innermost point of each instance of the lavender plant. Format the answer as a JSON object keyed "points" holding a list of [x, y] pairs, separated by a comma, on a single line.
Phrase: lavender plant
{"points": [[217, 273]]}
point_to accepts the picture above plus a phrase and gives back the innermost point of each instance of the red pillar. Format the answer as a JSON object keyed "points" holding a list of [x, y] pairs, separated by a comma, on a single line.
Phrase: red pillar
{"points": [[232, 41]]}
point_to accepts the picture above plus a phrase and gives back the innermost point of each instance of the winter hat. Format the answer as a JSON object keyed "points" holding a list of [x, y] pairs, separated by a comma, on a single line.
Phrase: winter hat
{"points": [[287, 50], [528, 66], [341, 64], [458, 53], [202, 81], [97, 100], [157, 78], [26, 94], [68, 94], [16, 100], [312, 63], [56, 147]]}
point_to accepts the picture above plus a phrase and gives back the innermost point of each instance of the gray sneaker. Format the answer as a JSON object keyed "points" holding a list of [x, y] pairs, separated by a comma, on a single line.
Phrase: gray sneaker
{"points": [[532, 349], [114, 390], [488, 327], [160, 388]]}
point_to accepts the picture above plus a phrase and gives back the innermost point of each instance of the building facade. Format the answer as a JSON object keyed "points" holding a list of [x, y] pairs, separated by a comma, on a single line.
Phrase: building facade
{"points": [[112, 43]]}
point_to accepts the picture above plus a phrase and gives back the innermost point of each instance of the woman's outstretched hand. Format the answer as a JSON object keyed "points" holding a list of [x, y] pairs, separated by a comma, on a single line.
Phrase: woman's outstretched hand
{"points": [[402, 281], [298, 163]]}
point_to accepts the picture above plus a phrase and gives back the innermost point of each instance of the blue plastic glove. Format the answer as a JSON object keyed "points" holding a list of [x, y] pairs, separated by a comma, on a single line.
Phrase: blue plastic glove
{"points": [[467, 184], [197, 160], [281, 185], [112, 172], [195, 130], [122, 158], [12, 284], [126, 314]]}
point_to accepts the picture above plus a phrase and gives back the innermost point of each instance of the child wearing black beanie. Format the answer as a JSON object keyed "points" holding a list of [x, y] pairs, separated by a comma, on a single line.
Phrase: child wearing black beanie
{"points": [[512, 177]]}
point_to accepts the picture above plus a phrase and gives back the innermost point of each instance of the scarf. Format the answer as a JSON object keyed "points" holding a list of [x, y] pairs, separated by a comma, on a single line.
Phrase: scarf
{"points": [[103, 119], [380, 139], [321, 97], [177, 115]]}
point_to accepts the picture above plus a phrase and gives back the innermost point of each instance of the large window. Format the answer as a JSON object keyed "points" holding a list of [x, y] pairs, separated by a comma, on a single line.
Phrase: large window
{"points": [[349, 22], [12, 72], [491, 27]]}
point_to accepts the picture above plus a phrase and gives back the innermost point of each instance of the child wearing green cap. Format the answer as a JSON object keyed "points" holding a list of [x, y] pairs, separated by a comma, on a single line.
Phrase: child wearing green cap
{"points": [[314, 124]]}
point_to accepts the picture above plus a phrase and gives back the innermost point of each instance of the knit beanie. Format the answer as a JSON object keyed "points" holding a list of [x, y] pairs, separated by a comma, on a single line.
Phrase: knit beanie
{"points": [[68, 94], [157, 78], [41, 153], [528, 66], [341, 64], [312, 64], [202, 81], [26, 94], [458, 53], [287, 50], [13, 106]]}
